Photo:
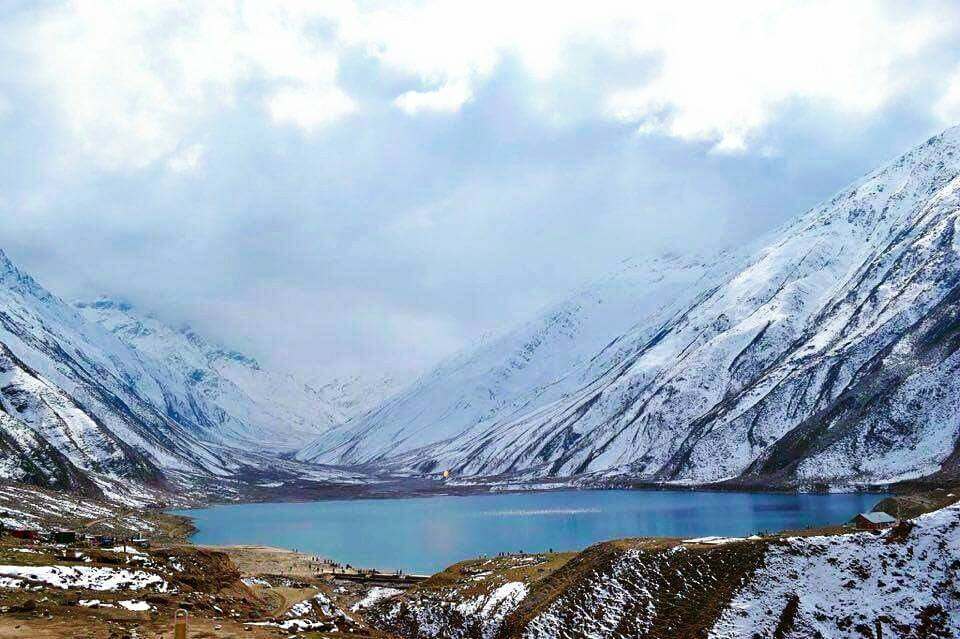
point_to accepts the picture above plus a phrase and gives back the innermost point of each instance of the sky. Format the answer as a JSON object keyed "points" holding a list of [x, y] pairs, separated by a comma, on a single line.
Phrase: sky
{"points": [[355, 187]]}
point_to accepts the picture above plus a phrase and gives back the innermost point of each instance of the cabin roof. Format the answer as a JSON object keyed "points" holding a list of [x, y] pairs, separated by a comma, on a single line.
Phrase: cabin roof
{"points": [[878, 518]]}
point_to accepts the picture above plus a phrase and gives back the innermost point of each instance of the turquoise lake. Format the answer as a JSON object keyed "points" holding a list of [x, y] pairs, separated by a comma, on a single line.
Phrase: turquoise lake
{"points": [[427, 534]]}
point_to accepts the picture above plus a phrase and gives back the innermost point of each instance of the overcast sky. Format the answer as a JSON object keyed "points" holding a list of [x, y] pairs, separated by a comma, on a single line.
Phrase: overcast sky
{"points": [[340, 186]]}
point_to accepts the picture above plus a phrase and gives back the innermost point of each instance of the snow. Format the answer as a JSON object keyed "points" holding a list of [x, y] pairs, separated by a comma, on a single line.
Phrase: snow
{"points": [[375, 594], [129, 550], [100, 400], [851, 580], [232, 396], [86, 577], [716, 541], [7, 582], [502, 602], [134, 605], [255, 581]]}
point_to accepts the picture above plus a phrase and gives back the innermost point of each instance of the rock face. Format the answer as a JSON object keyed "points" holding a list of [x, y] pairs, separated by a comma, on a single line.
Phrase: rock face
{"points": [[823, 354]]}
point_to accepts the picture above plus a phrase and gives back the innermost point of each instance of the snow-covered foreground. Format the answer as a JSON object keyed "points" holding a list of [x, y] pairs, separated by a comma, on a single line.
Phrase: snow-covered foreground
{"points": [[841, 586], [80, 577]]}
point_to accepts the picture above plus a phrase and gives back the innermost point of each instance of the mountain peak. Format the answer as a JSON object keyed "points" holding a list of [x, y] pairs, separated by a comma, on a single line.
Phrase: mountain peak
{"points": [[13, 277]]}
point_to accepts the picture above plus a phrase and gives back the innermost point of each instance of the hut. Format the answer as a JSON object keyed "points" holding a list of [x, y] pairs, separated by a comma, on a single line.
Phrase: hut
{"points": [[874, 521], [25, 533], [65, 537]]}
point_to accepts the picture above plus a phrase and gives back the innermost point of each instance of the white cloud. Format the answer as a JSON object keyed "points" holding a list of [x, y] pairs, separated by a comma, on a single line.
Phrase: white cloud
{"points": [[723, 75], [947, 107], [309, 108], [134, 80], [186, 160], [448, 98]]}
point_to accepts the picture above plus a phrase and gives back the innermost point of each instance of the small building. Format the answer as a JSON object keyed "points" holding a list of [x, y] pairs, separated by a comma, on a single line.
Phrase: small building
{"points": [[874, 521], [140, 542], [25, 533], [65, 537]]}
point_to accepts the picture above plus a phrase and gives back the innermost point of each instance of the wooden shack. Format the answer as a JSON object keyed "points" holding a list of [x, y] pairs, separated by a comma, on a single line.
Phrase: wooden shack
{"points": [[65, 537], [25, 533], [874, 521]]}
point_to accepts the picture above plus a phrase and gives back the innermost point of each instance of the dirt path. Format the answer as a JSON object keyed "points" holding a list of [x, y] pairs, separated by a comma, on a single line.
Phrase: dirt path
{"points": [[265, 560]]}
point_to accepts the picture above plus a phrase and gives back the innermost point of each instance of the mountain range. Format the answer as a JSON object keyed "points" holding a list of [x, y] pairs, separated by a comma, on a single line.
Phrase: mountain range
{"points": [[99, 399], [822, 355]]}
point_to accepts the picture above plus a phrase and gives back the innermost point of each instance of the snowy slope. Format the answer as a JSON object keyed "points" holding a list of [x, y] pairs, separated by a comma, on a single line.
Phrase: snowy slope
{"points": [[830, 586], [78, 406], [85, 411], [839, 586], [354, 395], [824, 353], [227, 394], [533, 366], [786, 587]]}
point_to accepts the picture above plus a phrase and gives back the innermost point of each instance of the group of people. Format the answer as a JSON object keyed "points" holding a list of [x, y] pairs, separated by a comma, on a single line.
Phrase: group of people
{"points": [[321, 565]]}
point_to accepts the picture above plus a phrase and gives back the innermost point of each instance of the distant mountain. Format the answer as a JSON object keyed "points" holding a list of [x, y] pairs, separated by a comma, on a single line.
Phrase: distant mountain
{"points": [[227, 394], [100, 401], [354, 395], [824, 354]]}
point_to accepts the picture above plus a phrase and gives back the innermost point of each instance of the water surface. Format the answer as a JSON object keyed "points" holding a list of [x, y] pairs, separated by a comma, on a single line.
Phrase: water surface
{"points": [[426, 534]]}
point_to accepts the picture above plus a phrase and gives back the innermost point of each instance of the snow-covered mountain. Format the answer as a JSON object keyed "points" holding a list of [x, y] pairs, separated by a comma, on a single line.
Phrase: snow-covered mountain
{"points": [[77, 406], [229, 395], [826, 353], [104, 412], [354, 395]]}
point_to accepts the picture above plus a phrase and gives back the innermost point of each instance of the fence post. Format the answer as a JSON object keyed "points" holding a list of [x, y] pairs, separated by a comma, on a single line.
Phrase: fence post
{"points": [[180, 624]]}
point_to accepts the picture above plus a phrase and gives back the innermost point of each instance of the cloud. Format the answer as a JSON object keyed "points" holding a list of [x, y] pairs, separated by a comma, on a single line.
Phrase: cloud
{"points": [[186, 160], [309, 109], [725, 74], [135, 81], [448, 98], [271, 172], [947, 107]]}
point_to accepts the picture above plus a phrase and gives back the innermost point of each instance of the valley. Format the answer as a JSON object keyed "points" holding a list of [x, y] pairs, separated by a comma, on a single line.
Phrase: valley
{"points": [[819, 362]]}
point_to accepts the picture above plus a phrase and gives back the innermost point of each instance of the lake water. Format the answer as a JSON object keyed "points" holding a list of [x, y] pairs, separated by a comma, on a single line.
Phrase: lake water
{"points": [[427, 534]]}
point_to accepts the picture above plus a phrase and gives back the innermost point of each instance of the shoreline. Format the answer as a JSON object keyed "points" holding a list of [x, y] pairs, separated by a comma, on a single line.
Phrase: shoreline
{"points": [[420, 487], [259, 545]]}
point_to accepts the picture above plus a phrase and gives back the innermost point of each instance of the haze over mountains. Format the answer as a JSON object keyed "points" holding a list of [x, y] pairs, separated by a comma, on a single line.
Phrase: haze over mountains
{"points": [[824, 354]]}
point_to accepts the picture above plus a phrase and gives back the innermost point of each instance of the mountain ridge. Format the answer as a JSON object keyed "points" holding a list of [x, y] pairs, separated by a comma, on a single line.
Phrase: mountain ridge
{"points": [[701, 389]]}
